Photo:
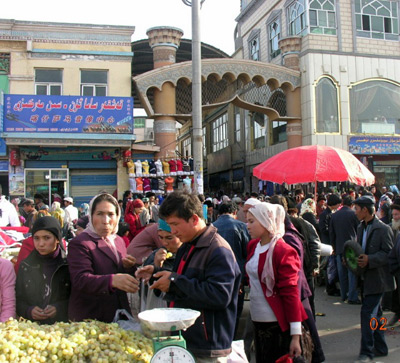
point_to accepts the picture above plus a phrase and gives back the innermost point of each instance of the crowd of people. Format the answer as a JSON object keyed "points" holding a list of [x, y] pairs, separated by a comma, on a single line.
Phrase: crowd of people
{"points": [[204, 253]]}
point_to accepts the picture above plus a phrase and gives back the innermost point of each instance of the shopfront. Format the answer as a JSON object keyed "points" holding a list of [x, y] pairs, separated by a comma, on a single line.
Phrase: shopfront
{"points": [[66, 145], [381, 154]]}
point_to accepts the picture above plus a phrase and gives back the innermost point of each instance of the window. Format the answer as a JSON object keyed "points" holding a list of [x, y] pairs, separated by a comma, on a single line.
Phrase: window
{"points": [[93, 83], [274, 32], [326, 102], [377, 19], [4, 63], [187, 147], [139, 122], [48, 82], [322, 17], [220, 134], [259, 122], [297, 18], [277, 132], [237, 124], [375, 107], [255, 49]]}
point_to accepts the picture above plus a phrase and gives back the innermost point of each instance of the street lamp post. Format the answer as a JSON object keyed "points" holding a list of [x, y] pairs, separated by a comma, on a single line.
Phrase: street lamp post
{"points": [[196, 96]]}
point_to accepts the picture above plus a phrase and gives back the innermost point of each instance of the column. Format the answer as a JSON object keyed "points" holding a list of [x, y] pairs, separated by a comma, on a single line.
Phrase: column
{"points": [[164, 42]]}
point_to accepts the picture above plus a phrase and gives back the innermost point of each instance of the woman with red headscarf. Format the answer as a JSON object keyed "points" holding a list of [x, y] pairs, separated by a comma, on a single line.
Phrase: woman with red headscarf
{"points": [[132, 214]]}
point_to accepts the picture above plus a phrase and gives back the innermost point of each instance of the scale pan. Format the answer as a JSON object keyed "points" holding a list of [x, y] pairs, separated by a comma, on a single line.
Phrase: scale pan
{"points": [[168, 319]]}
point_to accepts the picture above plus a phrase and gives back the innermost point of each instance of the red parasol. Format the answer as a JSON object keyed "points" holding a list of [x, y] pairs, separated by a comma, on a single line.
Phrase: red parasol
{"points": [[311, 164]]}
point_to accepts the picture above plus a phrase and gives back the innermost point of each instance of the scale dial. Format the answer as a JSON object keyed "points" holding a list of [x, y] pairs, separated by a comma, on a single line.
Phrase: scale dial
{"points": [[172, 354]]}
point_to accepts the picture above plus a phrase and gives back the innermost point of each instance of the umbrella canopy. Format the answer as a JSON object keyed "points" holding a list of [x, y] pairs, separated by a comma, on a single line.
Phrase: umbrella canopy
{"points": [[307, 164]]}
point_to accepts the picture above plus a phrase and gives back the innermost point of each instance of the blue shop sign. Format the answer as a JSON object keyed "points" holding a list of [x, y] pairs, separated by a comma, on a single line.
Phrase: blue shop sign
{"points": [[379, 145], [3, 147], [68, 114], [4, 165]]}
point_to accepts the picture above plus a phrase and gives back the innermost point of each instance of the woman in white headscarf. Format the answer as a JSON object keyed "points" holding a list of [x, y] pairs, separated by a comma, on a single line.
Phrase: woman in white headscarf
{"points": [[101, 271], [273, 267]]}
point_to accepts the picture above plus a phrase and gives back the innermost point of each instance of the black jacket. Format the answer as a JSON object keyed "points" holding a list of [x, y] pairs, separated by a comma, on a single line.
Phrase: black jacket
{"points": [[343, 227], [30, 287]]}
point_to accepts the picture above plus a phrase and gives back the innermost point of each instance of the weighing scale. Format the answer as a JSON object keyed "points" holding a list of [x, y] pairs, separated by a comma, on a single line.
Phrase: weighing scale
{"points": [[169, 349]]}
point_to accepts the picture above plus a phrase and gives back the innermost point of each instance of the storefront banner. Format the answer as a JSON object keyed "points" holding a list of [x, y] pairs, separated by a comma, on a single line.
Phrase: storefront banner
{"points": [[68, 114], [4, 165], [374, 145], [68, 154]]}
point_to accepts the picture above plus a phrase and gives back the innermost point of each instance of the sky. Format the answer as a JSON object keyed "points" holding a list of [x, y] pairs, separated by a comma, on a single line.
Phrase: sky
{"points": [[217, 17]]}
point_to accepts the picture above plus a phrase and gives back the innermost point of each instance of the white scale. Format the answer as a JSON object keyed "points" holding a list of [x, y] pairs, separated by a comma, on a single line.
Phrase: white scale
{"points": [[169, 349]]}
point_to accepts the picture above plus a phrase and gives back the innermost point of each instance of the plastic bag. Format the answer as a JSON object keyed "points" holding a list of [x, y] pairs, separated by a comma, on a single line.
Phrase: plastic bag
{"points": [[237, 355], [126, 321]]}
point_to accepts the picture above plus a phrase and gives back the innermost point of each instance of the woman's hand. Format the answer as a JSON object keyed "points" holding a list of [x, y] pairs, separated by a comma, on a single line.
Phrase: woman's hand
{"points": [[160, 257], [50, 311], [39, 313], [128, 261], [125, 282], [145, 272], [295, 348]]}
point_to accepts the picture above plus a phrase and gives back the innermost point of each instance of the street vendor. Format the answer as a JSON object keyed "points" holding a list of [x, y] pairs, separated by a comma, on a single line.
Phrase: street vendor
{"points": [[101, 271]]}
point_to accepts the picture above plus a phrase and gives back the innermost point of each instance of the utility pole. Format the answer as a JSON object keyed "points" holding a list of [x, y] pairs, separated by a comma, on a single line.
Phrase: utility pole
{"points": [[197, 136]]}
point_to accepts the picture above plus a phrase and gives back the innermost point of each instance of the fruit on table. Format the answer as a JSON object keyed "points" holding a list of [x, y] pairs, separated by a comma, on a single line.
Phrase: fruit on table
{"points": [[88, 341]]}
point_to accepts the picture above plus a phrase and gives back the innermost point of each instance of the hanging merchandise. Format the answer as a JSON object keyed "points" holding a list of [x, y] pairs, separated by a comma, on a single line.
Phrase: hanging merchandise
{"points": [[146, 185], [186, 167], [131, 168], [138, 167], [169, 184], [172, 166], [15, 159], [154, 185], [179, 183], [159, 167], [187, 184], [165, 167], [139, 185], [127, 155], [132, 184], [179, 166], [152, 169], [145, 168], [161, 185]]}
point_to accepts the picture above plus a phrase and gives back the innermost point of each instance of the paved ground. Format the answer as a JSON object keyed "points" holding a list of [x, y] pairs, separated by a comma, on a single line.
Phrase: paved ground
{"points": [[340, 331]]}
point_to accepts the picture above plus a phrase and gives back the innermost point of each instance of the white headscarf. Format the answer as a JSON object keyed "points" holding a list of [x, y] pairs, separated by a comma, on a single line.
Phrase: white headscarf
{"points": [[92, 232], [272, 218]]}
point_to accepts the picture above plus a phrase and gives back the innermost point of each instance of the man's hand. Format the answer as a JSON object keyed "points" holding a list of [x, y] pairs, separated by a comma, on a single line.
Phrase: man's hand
{"points": [[145, 272], [362, 260], [163, 281], [295, 348], [160, 257], [128, 262], [125, 282], [38, 314]]}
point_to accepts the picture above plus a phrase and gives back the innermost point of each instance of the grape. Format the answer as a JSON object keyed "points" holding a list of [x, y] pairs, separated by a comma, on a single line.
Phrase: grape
{"points": [[88, 341]]}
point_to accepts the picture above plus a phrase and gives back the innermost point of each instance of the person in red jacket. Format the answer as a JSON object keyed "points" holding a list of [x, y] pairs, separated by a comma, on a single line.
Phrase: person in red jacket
{"points": [[132, 217], [273, 267]]}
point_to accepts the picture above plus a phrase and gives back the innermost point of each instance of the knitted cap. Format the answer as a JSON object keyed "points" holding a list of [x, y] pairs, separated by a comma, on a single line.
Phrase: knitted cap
{"points": [[47, 224], [163, 226], [137, 203]]}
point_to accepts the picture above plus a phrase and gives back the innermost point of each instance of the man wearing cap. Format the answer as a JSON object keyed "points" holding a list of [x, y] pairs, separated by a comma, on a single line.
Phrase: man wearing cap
{"points": [[376, 240], [71, 213], [395, 224], [30, 210]]}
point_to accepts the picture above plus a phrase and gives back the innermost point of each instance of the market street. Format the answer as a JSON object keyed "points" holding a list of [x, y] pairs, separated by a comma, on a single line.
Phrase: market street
{"points": [[340, 330]]}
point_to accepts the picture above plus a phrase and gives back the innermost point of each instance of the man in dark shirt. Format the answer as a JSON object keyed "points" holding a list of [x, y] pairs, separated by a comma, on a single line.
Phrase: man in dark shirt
{"points": [[343, 227], [236, 234], [29, 209]]}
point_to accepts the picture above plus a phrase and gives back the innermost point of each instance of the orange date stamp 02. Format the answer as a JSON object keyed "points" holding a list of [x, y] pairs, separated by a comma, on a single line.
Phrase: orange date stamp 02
{"points": [[380, 324]]}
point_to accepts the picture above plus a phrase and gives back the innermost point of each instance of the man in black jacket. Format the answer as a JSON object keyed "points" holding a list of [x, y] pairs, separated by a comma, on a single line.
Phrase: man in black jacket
{"points": [[343, 227], [376, 240]]}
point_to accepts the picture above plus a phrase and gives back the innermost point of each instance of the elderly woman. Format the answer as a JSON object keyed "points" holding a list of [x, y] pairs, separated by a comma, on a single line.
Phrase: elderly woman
{"points": [[308, 212], [273, 267], [133, 210], [101, 271], [43, 282]]}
